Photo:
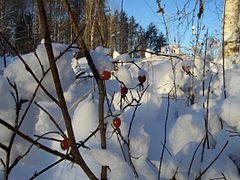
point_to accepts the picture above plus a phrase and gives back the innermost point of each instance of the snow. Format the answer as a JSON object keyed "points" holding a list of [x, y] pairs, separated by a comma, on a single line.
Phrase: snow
{"points": [[85, 118], [188, 128], [119, 168], [142, 72], [16, 71], [229, 112], [101, 61], [122, 58], [185, 128], [124, 75]]}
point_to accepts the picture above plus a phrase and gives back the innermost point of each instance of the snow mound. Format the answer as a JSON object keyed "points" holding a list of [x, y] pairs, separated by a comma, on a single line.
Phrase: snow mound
{"points": [[17, 73], [119, 169], [188, 128], [230, 113]]}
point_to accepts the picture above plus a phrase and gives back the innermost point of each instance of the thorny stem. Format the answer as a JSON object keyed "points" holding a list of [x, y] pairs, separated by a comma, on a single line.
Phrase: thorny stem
{"points": [[62, 103], [98, 79]]}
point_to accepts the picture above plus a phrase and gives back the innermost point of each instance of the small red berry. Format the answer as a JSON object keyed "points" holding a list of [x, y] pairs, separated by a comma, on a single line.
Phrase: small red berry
{"points": [[106, 75], [65, 144], [141, 79], [124, 91], [117, 122]]}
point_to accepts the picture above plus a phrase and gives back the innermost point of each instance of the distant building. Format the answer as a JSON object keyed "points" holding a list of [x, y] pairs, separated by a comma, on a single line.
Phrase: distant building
{"points": [[172, 49]]}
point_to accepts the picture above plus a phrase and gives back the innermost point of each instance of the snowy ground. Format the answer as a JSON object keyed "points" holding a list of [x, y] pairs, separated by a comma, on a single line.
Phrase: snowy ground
{"points": [[185, 156]]}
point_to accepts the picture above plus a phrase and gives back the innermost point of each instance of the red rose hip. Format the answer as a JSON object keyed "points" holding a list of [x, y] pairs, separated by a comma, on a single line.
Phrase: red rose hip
{"points": [[65, 144], [141, 79], [106, 75], [116, 122], [124, 91]]}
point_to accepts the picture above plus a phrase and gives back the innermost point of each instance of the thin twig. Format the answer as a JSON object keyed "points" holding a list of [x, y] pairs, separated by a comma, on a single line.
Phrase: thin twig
{"points": [[2, 146], [160, 54], [213, 161], [166, 149], [4, 165], [194, 154], [32, 141], [134, 112], [27, 67], [99, 81], [81, 144], [47, 138], [165, 136], [80, 33], [51, 118], [30, 102], [39, 61], [120, 144], [204, 68], [36, 174]]}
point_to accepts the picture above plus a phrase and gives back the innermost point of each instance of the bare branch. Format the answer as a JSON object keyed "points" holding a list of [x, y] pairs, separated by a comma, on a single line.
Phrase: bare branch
{"points": [[4, 165], [62, 103], [27, 67], [165, 136], [2, 146], [35, 143], [39, 61], [51, 118], [195, 152], [98, 79], [213, 161], [81, 144], [36, 174]]}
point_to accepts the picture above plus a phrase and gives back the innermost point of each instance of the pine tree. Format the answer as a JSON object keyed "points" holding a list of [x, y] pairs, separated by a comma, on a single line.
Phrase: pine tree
{"points": [[156, 39], [123, 32], [132, 35]]}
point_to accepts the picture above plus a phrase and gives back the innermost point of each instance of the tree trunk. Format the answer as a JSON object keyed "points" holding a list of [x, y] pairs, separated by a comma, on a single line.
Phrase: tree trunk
{"points": [[231, 28]]}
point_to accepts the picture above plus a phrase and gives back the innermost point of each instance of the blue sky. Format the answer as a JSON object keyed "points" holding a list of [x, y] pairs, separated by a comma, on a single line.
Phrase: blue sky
{"points": [[144, 12]]}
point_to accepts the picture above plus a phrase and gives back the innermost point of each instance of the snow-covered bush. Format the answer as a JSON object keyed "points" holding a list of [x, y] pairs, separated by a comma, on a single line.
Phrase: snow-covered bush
{"points": [[142, 119]]}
